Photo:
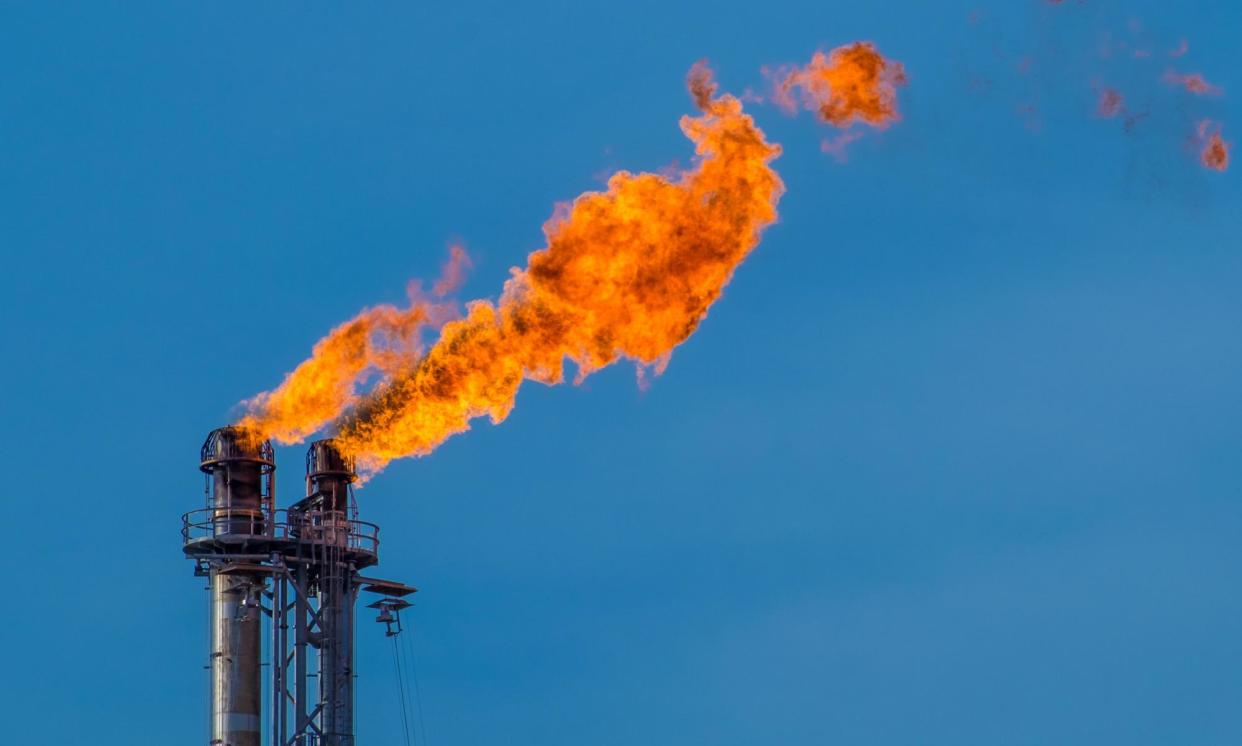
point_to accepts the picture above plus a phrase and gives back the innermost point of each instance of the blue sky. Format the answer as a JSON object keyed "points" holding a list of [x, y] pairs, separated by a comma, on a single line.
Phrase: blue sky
{"points": [[953, 461]]}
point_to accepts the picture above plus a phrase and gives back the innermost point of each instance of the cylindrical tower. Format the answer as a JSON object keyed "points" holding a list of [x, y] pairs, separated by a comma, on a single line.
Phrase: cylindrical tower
{"points": [[239, 473], [300, 568], [329, 476], [236, 676]]}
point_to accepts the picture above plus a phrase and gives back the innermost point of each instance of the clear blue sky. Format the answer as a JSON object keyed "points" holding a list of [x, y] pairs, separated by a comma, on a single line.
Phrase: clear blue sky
{"points": [[954, 460]]}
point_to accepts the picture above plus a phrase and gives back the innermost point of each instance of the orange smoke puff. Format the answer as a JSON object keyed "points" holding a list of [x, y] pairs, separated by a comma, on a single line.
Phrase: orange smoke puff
{"points": [[702, 84], [1193, 82], [453, 274], [1215, 153], [750, 96], [836, 146], [850, 83], [627, 273], [1110, 103]]}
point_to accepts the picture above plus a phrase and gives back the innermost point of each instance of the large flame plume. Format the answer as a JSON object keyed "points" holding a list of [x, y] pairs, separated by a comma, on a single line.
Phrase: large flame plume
{"points": [[627, 273]]}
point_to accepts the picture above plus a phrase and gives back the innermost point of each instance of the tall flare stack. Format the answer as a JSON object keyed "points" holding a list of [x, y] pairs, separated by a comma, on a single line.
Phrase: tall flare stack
{"points": [[239, 497], [328, 479], [297, 568]]}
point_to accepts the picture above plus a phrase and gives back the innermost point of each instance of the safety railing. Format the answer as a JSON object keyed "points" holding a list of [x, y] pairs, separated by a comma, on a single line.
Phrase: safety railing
{"points": [[228, 525], [235, 444], [328, 528]]}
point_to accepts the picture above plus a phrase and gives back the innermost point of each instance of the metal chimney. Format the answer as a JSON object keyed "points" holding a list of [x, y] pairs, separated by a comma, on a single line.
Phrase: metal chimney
{"points": [[240, 475], [328, 478], [298, 569]]}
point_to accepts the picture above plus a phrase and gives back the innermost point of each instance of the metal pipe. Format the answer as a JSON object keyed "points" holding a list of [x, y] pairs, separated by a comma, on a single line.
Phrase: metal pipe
{"points": [[236, 691], [301, 614], [329, 475], [278, 660], [336, 655], [239, 470]]}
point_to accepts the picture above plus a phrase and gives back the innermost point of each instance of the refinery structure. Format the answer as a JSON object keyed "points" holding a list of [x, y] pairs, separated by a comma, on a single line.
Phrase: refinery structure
{"points": [[287, 576]]}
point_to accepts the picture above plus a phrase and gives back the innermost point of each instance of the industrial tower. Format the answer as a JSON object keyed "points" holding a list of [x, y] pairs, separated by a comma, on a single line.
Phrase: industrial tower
{"points": [[298, 568]]}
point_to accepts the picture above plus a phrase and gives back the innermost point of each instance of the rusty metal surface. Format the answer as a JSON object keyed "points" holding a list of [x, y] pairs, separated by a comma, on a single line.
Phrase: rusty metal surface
{"points": [[297, 566]]}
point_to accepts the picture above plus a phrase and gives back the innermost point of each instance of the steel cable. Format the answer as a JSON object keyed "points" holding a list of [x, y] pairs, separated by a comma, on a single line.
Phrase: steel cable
{"points": [[405, 718]]}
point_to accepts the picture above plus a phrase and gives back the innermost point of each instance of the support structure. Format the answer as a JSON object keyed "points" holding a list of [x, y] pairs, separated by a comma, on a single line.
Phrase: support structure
{"points": [[299, 568]]}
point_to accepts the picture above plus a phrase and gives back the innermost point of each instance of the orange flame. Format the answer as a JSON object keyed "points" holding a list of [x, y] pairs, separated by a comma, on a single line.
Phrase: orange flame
{"points": [[627, 273], [850, 83], [318, 390]]}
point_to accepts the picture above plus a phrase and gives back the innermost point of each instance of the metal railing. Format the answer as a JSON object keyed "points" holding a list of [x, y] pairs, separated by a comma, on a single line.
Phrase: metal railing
{"points": [[311, 526], [232, 443]]}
